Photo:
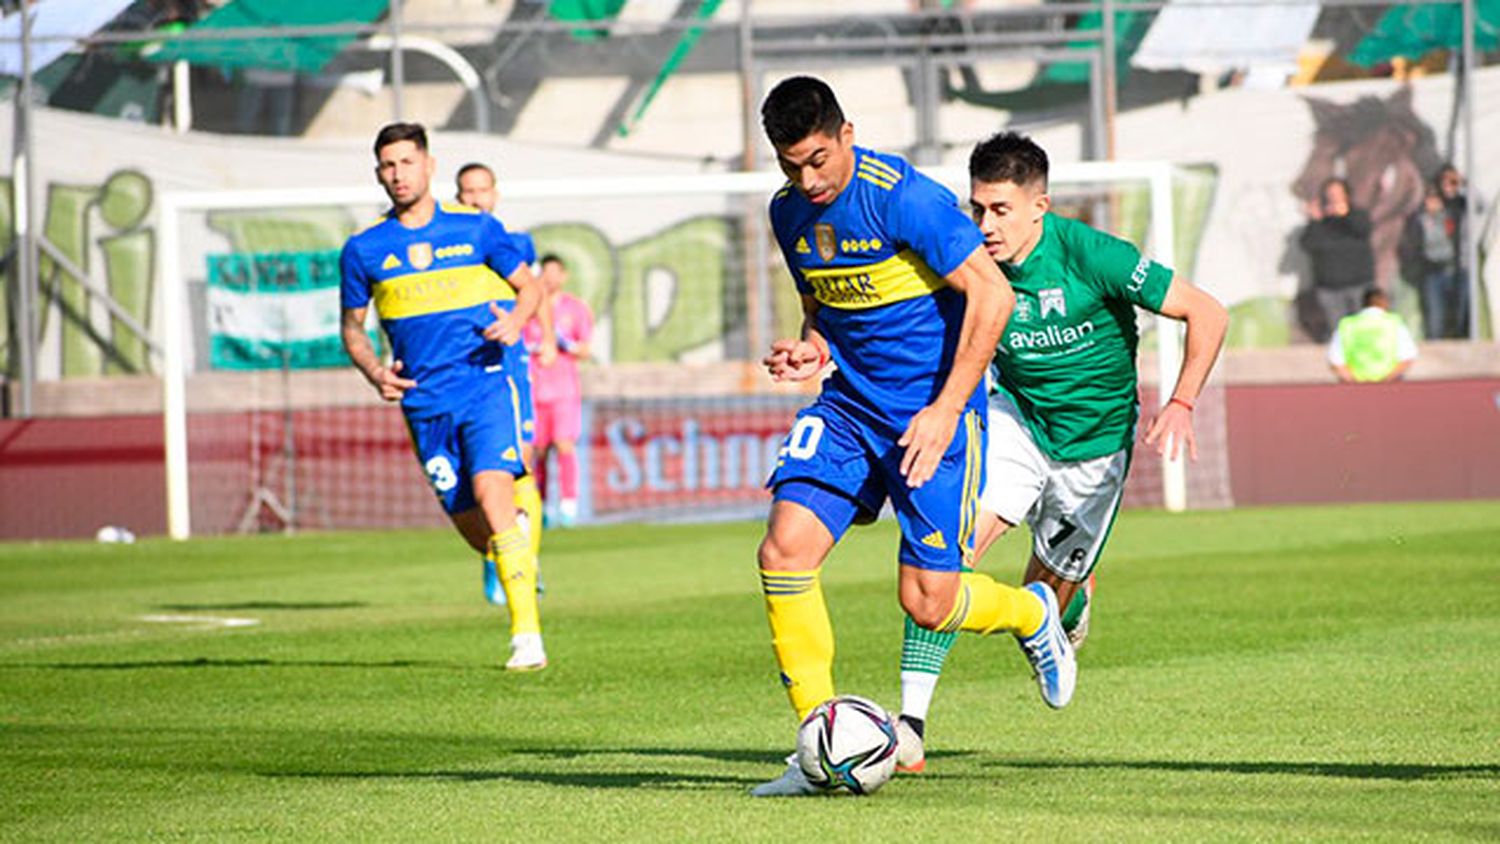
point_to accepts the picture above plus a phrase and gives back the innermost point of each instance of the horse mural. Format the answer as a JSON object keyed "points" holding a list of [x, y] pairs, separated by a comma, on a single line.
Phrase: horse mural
{"points": [[1386, 153]]}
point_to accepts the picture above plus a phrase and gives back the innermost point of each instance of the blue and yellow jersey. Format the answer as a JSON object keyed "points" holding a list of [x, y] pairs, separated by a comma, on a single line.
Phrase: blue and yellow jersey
{"points": [[875, 260], [524, 245], [432, 288]]}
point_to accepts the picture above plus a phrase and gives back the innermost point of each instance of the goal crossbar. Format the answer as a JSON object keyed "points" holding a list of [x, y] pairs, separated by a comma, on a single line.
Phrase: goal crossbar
{"points": [[173, 205]]}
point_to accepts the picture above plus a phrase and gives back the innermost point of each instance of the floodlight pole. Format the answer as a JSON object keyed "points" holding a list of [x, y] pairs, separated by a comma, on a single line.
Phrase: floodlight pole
{"points": [[1111, 76], [182, 97], [1470, 244], [24, 202], [760, 303], [398, 64]]}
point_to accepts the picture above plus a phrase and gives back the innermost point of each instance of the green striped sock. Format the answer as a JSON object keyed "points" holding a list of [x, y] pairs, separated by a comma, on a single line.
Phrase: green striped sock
{"points": [[924, 650], [1075, 609]]}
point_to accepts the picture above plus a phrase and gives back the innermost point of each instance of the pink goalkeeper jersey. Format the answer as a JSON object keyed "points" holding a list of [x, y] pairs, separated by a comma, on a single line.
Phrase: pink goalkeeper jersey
{"points": [[574, 324]]}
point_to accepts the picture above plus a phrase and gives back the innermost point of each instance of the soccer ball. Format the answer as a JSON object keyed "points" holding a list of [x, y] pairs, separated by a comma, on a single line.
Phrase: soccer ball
{"points": [[847, 744]]}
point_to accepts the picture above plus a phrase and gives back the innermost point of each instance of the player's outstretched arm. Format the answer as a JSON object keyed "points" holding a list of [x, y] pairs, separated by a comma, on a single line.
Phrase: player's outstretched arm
{"points": [[988, 301], [386, 380], [800, 359], [1207, 321]]}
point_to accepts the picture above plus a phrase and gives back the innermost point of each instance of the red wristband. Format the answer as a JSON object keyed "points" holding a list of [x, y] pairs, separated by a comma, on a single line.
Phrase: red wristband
{"points": [[1184, 402]]}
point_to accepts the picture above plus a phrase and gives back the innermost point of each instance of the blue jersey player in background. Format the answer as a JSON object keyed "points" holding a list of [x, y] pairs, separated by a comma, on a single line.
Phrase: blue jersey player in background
{"points": [[899, 294], [452, 292], [476, 188]]}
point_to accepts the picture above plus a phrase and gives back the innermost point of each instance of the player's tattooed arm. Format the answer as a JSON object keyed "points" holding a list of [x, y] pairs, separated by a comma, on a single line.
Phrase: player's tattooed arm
{"points": [[386, 380], [988, 300], [802, 358], [1171, 432]]}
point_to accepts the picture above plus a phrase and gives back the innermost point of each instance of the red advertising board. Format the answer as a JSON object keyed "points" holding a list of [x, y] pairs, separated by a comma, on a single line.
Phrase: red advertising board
{"points": [[693, 457]]}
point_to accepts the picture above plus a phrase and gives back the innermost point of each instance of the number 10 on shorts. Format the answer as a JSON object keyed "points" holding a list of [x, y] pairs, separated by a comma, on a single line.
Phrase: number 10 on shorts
{"points": [[802, 442]]}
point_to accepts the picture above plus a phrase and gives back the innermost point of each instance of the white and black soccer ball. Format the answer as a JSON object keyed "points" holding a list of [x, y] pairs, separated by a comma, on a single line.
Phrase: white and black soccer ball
{"points": [[848, 744]]}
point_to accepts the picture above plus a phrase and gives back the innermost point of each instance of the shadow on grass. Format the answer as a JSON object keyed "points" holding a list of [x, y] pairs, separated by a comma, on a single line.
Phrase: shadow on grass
{"points": [[1350, 770], [613, 758], [259, 662], [264, 605], [574, 779]]}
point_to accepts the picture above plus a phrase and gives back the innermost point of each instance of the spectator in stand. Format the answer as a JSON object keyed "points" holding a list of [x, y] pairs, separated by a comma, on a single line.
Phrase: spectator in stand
{"points": [[1429, 261], [1451, 185], [556, 391], [1337, 240], [1372, 345]]}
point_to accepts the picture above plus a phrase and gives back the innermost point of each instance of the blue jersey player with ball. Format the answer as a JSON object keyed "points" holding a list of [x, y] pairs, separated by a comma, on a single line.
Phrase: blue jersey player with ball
{"points": [[900, 296]]}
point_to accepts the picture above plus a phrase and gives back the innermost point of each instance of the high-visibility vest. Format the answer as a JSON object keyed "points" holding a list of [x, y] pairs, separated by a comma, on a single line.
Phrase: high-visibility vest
{"points": [[1369, 339]]}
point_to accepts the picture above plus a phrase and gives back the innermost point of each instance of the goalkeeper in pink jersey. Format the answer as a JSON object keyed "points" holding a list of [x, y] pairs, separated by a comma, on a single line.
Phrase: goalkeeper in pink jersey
{"points": [[556, 392]]}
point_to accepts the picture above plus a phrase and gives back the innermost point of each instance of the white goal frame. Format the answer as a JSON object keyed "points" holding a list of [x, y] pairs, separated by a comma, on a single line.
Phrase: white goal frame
{"points": [[172, 205]]}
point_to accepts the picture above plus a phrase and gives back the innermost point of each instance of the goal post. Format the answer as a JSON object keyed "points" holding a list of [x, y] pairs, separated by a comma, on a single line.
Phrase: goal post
{"points": [[642, 208]]}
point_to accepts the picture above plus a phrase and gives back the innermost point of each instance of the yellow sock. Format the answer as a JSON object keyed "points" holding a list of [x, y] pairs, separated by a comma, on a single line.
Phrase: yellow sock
{"points": [[801, 636], [984, 605], [512, 555], [529, 501]]}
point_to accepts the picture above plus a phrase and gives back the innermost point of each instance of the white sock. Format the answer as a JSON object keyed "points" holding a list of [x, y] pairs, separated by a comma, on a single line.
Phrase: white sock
{"points": [[916, 693], [568, 507]]}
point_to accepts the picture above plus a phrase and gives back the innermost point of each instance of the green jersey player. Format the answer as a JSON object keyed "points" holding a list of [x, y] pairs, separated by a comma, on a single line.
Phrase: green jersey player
{"points": [[1063, 407]]}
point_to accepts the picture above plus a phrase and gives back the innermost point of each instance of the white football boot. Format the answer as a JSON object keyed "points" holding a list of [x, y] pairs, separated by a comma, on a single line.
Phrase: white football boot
{"points": [[526, 653], [1049, 652], [911, 758], [1080, 629], [791, 783]]}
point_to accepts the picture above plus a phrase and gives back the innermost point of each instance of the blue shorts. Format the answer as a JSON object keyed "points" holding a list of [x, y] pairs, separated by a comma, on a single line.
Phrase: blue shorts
{"points": [[479, 436], [843, 470], [518, 372]]}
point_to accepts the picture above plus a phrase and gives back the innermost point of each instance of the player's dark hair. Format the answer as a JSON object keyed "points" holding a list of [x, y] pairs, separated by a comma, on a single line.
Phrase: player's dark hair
{"points": [[798, 107], [1374, 296], [394, 133], [552, 258], [1009, 157], [471, 167]]}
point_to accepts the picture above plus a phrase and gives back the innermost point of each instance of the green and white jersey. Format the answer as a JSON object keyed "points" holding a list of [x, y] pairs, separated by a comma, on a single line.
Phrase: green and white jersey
{"points": [[1067, 356]]}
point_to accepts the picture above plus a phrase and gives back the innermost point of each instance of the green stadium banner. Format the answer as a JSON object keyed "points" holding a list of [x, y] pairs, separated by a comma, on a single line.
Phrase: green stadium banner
{"points": [[274, 310], [1412, 32], [300, 55]]}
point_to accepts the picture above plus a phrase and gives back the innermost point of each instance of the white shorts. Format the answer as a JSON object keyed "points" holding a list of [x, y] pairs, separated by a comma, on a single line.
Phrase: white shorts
{"points": [[1070, 506]]}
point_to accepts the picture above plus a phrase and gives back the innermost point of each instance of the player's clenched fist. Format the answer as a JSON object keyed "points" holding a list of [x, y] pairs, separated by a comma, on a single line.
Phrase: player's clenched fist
{"points": [[793, 360]]}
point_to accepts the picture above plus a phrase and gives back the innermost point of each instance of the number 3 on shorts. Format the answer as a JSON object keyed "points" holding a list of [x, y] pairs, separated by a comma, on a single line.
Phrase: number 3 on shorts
{"points": [[440, 472], [802, 442]]}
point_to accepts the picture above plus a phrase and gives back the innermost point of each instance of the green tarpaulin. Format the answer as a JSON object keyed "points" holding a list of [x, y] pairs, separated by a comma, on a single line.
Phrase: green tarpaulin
{"points": [[591, 11], [1411, 32], [302, 55]]}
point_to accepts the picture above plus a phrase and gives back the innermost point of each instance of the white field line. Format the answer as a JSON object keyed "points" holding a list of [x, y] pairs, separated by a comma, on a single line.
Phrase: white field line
{"points": [[188, 622], [205, 622]]}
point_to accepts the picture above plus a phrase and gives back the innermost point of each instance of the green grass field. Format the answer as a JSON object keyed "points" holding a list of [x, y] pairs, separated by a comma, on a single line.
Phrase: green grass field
{"points": [[1287, 674]]}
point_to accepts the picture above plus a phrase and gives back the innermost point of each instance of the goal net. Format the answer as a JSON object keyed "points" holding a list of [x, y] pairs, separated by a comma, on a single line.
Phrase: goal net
{"points": [[269, 428]]}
